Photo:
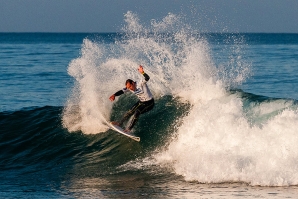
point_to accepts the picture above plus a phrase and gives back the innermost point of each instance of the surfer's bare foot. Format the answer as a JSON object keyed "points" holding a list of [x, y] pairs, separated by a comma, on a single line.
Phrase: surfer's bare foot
{"points": [[115, 123]]}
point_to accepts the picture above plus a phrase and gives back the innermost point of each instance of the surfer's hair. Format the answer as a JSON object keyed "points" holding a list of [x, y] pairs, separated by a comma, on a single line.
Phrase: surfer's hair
{"points": [[129, 81]]}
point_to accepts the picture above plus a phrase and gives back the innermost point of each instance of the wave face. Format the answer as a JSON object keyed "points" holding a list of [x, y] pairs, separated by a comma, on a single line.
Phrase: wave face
{"points": [[28, 138], [223, 136], [33, 140]]}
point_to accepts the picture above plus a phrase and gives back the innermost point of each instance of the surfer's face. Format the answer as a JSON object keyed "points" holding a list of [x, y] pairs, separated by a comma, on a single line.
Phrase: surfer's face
{"points": [[131, 86]]}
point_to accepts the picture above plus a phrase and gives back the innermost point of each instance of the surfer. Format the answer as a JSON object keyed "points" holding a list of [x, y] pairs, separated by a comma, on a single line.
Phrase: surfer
{"points": [[145, 103]]}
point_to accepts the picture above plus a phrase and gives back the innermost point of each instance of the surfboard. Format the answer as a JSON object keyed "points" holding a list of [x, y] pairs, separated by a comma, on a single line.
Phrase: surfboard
{"points": [[121, 131]]}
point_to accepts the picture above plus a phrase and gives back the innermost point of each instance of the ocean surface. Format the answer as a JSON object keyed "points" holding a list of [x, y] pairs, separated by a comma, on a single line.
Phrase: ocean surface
{"points": [[225, 123]]}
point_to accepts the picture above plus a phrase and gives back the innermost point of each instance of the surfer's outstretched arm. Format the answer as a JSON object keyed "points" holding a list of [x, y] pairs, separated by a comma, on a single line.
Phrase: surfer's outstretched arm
{"points": [[120, 92], [141, 70]]}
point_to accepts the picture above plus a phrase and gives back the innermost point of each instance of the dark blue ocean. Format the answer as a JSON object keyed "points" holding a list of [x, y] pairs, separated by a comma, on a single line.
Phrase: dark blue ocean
{"points": [[224, 124]]}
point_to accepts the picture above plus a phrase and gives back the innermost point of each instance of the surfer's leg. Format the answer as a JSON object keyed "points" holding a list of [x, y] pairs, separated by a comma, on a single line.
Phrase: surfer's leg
{"points": [[129, 113], [134, 119], [147, 106], [143, 107]]}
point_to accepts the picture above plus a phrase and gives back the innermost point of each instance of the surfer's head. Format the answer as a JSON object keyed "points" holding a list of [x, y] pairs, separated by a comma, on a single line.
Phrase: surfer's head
{"points": [[130, 84]]}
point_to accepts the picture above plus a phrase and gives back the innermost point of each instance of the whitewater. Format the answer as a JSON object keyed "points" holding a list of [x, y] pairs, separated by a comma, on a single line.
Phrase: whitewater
{"points": [[224, 135]]}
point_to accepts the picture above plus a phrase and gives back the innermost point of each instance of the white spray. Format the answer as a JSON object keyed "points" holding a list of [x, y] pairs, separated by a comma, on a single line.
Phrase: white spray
{"points": [[216, 142], [180, 69]]}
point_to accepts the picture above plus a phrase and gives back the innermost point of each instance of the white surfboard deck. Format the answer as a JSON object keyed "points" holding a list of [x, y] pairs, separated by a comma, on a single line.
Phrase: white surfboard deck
{"points": [[120, 130]]}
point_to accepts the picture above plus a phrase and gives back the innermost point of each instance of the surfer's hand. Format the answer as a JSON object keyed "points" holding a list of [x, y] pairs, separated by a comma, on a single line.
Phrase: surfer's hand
{"points": [[112, 98], [141, 70]]}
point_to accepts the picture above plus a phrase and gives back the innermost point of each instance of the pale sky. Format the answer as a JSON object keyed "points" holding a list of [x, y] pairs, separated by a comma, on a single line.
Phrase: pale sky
{"points": [[271, 16]]}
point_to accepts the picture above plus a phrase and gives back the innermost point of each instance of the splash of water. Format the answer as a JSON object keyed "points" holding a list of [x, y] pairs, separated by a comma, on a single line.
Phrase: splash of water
{"points": [[217, 141], [177, 62], [216, 144]]}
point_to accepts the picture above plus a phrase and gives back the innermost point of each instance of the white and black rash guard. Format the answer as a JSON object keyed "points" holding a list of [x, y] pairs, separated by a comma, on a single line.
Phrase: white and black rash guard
{"points": [[142, 91]]}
